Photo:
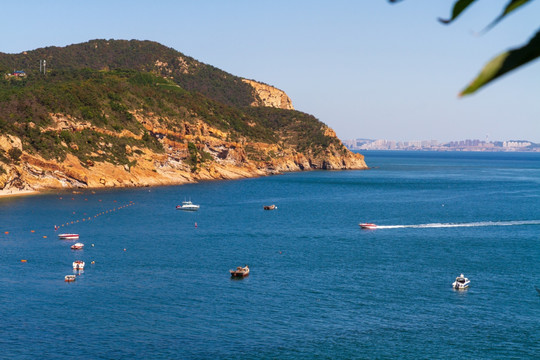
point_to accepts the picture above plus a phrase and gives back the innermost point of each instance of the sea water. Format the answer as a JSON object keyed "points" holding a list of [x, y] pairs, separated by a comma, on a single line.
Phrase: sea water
{"points": [[319, 288]]}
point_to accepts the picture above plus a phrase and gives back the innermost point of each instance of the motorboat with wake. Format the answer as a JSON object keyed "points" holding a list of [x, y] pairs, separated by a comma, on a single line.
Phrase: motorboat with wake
{"points": [[367, 226], [187, 206], [461, 283]]}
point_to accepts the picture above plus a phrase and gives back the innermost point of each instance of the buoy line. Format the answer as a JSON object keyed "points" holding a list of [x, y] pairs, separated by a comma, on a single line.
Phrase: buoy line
{"points": [[84, 219]]}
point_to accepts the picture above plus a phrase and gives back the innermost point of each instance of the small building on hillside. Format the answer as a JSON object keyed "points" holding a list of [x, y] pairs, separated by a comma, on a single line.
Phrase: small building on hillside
{"points": [[18, 73]]}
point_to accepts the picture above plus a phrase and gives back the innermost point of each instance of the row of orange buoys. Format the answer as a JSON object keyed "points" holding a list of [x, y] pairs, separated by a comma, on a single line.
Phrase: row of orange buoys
{"points": [[84, 219]]}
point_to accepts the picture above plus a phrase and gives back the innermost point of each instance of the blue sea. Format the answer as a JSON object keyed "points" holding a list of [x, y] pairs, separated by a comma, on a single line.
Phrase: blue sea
{"points": [[319, 288]]}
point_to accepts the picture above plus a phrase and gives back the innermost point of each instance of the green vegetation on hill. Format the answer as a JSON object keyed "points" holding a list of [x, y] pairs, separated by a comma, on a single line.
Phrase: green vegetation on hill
{"points": [[102, 84], [145, 56]]}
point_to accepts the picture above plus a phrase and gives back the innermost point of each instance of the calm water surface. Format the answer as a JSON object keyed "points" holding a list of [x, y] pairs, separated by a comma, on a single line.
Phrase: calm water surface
{"points": [[320, 288]]}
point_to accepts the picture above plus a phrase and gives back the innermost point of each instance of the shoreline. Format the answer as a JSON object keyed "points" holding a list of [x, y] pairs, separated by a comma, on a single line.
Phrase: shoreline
{"points": [[17, 192]]}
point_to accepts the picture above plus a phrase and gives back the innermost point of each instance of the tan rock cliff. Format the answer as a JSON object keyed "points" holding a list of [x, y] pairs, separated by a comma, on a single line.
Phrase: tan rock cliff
{"points": [[230, 160], [270, 96]]}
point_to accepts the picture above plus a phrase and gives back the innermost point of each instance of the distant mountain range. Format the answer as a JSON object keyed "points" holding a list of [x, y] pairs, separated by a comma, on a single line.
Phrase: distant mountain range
{"points": [[135, 113]]}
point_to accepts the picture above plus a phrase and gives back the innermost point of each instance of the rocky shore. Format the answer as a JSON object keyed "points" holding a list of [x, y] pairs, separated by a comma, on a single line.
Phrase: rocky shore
{"points": [[230, 160]]}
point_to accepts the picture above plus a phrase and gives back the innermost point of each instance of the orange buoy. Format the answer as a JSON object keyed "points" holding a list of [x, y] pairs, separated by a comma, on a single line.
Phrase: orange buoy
{"points": [[23, 260], [6, 232], [32, 231], [44, 236]]}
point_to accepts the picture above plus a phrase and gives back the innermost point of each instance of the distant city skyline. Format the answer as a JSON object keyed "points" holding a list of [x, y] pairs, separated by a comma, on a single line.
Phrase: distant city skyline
{"points": [[435, 145]]}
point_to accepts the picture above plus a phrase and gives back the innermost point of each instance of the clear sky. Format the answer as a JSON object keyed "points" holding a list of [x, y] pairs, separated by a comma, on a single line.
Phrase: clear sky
{"points": [[367, 68]]}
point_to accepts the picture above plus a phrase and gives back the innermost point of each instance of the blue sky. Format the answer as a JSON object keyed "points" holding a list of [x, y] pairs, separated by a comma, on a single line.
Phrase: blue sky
{"points": [[366, 68]]}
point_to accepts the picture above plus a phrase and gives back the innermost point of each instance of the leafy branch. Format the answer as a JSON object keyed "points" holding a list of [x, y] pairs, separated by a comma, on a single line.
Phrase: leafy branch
{"points": [[504, 62]]}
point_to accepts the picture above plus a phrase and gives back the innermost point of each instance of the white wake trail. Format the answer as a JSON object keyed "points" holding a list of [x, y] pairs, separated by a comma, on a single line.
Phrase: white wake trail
{"points": [[471, 224]]}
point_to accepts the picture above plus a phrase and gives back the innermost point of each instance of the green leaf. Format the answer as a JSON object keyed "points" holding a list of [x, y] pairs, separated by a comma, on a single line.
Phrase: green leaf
{"points": [[504, 63], [511, 6], [459, 6]]}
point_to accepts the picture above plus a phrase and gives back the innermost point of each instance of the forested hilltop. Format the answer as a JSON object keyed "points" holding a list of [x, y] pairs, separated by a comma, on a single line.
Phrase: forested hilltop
{"points": [[135, 113]]}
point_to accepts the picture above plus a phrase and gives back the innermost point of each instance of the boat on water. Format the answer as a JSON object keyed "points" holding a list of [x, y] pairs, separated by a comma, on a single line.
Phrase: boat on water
{"points": [[240, 271], [77, 246], [187, 206], [369, 226], [78, 265], [70, 278], [68, 236], [461, 283], [270, 207]]}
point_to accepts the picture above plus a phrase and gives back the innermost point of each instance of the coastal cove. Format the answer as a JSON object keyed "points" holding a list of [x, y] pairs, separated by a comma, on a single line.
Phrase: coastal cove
{"points": [[319, 286]]}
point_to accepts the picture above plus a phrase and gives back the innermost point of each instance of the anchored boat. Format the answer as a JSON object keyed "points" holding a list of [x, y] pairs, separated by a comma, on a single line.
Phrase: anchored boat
{"points": [[78, 265], [461, 283], [68, 236], [240, 271], [77, 246], [187, 206]]}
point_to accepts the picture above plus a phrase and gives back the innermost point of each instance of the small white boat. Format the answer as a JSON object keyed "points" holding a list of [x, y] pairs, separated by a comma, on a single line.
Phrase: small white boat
{"points": [[70, 278], [187, 206], [461, 283], [77, 246], [68, 236], [369, 226], [78, 265]]}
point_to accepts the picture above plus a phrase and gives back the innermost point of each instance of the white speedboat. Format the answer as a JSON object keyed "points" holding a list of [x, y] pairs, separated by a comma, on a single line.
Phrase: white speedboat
{"points": [[78, 265], [68, 236], [77, 246], [70, 278], [187, 206], [368, 226], [461, 283]]}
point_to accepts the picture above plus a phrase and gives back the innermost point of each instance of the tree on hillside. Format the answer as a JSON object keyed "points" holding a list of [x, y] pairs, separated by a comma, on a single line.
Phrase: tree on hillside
{"points": [[504, 62]]}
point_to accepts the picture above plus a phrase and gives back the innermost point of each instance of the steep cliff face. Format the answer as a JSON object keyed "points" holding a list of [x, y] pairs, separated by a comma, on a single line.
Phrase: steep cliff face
{"points": [[177, 165], [270, 96], [163, 118]]}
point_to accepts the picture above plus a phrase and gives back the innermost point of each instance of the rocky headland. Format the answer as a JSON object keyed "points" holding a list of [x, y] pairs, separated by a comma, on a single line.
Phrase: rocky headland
{"points": [[131, 113]]}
